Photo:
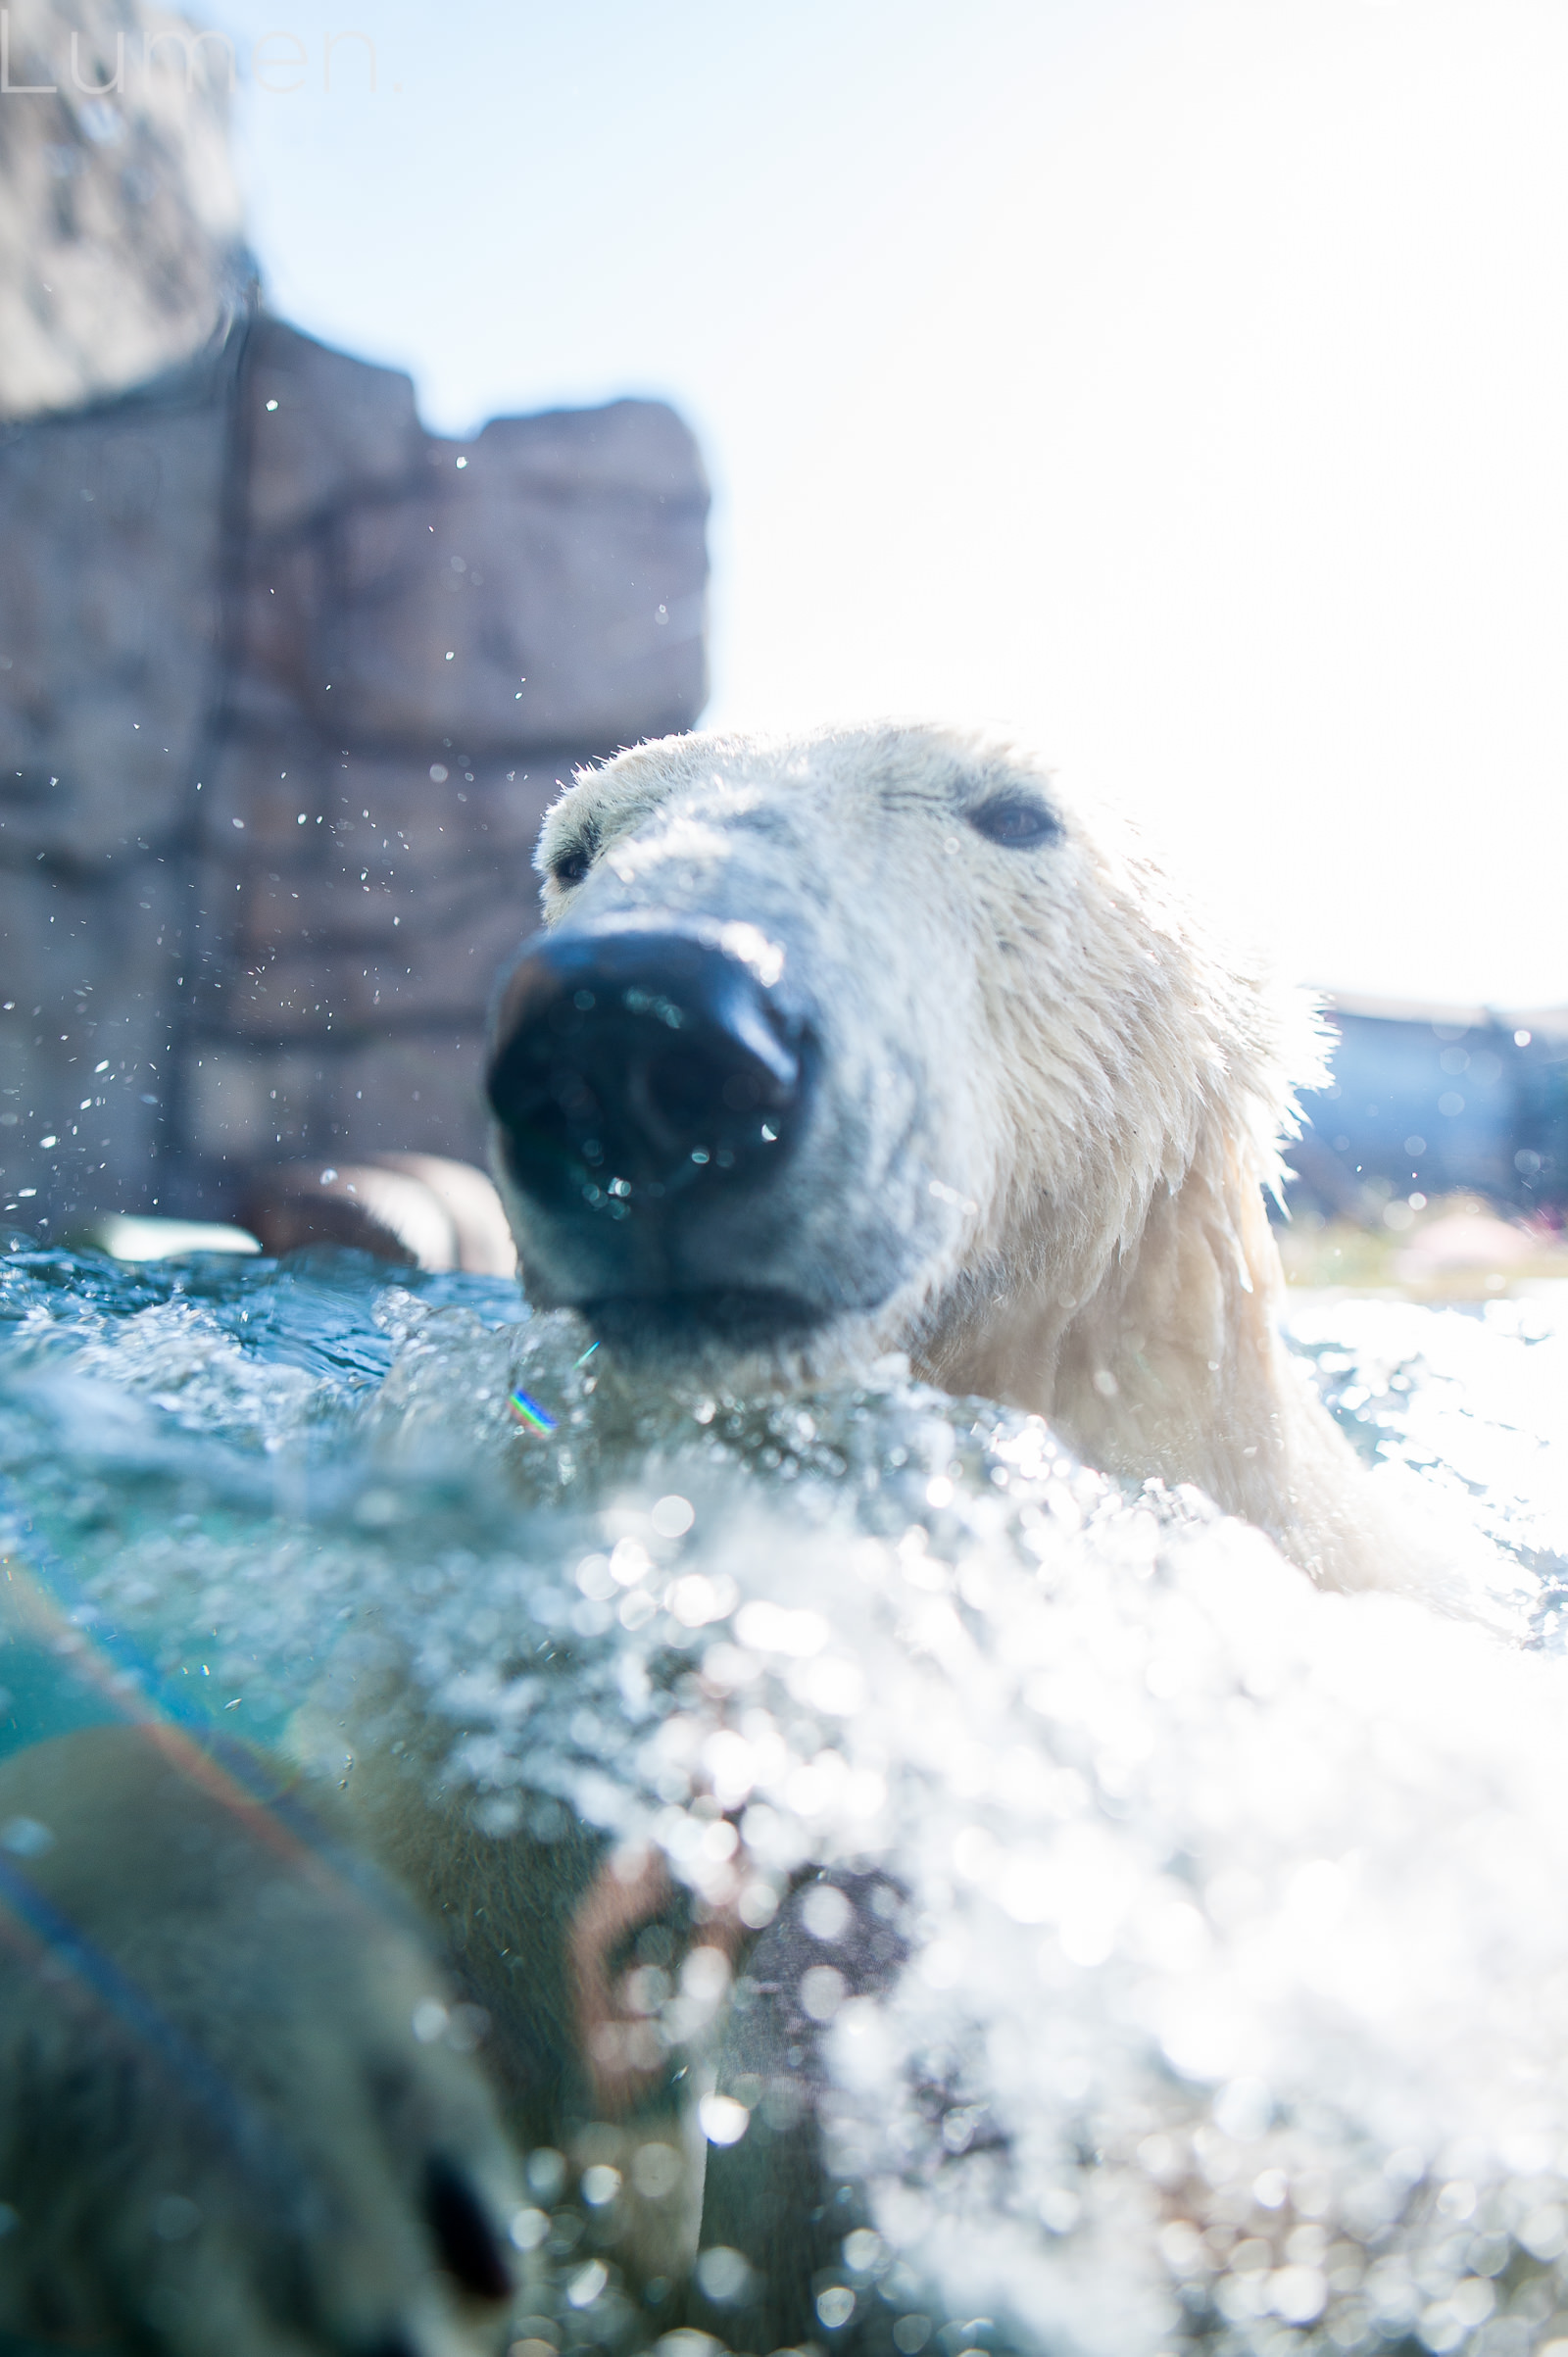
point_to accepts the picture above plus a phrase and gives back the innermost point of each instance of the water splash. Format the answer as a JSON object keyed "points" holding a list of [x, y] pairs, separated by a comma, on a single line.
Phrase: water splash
{"points": [[1237, 2013]]}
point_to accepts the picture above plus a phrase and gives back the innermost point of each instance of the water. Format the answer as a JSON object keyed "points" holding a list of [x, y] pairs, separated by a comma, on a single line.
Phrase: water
{"points": [[1237, 2014]]}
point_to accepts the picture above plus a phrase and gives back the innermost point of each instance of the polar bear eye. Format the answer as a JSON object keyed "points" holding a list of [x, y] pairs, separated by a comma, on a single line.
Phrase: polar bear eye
{"points": [[573, 864], [1017, 821]]}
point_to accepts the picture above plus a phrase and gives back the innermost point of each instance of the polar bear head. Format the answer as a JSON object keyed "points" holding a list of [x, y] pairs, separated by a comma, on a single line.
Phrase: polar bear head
{"points": [[871, 1039]]}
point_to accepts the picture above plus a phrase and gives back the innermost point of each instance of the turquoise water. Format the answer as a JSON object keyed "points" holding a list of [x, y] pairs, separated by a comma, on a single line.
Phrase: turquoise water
{"points": [[213, 1404], [1237, 2015], [230, 1407]]}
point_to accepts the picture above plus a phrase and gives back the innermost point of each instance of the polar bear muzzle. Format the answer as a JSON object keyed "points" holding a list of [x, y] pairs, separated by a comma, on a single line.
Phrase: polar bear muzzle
{"points": [[647, 1084]]}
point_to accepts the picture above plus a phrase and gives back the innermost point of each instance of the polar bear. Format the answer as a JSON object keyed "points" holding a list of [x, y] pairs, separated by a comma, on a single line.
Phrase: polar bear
{"points": [[864, 1042], [876, 1040]]}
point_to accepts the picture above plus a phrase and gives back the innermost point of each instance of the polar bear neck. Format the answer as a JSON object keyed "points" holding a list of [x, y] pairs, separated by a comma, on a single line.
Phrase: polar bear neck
{"points": [[1173, 1367]]}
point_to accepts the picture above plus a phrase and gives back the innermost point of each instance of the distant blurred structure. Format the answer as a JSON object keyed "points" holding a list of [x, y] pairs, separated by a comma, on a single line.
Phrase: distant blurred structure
{"points": [[285, 682], [121, 239], [1437, 1101]]}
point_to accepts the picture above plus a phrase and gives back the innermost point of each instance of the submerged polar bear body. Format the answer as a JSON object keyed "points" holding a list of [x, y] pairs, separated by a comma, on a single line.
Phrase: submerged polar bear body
{"points": [[1030, 1111]]}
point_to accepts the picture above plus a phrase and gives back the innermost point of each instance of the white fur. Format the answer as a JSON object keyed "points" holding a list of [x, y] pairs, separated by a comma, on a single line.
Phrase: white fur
{"points": [[1055, 1102]]}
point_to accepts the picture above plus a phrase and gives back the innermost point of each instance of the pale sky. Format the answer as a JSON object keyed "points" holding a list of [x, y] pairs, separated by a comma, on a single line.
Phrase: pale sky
{"points": [[1182, 382]]}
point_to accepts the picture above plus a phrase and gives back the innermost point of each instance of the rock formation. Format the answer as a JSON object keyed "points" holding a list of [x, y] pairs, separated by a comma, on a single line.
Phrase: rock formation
{"points": [[285, 685]]}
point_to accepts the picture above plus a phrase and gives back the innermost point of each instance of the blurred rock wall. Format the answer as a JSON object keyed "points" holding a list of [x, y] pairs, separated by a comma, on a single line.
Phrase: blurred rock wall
{"points": [[425, 638], [285, 687]]}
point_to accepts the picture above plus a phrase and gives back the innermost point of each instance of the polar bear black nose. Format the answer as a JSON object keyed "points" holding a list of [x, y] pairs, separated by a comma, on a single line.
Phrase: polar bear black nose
{"points": [[634, 1065]]}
